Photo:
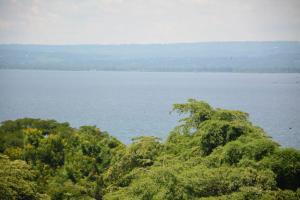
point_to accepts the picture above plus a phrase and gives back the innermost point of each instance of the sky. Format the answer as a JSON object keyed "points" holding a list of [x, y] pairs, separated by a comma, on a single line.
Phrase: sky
{"points": [[147, 21]]}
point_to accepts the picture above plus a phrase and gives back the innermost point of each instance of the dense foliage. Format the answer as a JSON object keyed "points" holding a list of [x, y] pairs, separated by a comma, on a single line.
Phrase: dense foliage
{"points": [[212, 154]]}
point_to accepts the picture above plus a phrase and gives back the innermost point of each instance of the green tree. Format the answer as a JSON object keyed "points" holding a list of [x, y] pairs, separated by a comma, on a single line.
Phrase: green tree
{"points": [[17, 180]]}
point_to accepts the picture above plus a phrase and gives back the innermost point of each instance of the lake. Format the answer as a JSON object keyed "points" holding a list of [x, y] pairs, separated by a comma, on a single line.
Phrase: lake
{"points": [[129, 104]]}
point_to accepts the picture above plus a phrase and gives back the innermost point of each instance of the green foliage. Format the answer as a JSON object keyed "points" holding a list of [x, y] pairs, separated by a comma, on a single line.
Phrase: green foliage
{"points": [[254, 193], [68, 162], [197, 111], [17, 180], [212, 154], [141, 153], [230, 115], [202, 181], [213, 133], [286, 165]]}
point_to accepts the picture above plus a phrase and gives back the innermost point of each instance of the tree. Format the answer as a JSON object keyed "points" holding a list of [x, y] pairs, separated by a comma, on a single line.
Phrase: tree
{"points": [[17, 180]]}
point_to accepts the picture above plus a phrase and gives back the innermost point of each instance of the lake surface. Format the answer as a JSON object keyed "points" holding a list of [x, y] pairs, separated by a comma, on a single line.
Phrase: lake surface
{"points": [[129, 104]]}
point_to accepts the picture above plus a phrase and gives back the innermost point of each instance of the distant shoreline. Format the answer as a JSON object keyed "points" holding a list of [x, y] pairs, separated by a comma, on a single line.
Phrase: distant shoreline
{"points": [[137, 71], [236, 57], [149, 44]]}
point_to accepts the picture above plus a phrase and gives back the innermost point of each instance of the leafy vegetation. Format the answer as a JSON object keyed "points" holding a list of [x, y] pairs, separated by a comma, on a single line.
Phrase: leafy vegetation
{"points": [[213, 154]]}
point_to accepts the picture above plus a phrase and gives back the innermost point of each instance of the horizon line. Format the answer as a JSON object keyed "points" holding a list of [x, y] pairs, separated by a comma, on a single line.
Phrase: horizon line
{"points": [[132, 44]]}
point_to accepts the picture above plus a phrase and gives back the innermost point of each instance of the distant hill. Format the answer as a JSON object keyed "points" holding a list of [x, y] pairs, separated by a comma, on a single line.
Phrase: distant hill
{"points": [[190, 57]]}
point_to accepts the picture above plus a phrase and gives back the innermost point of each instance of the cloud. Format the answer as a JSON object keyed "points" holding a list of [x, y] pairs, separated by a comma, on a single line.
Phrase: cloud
{"points": [[147, 21]]}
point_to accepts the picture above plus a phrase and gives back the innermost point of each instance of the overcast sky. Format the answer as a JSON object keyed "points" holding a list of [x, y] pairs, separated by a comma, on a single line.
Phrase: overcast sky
{"points": [[147, 21]]}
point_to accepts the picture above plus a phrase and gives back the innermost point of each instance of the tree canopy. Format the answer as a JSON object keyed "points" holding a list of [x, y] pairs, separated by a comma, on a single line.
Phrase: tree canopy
{"points": [[212, 154]]}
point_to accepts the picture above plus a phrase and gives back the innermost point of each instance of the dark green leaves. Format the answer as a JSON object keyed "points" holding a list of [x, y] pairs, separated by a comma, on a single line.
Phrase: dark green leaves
{"points": [[213, 154]]}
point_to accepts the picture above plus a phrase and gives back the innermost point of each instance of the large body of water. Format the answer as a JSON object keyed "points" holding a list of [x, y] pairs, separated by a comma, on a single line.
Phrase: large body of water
{"points": [[129, 104]]}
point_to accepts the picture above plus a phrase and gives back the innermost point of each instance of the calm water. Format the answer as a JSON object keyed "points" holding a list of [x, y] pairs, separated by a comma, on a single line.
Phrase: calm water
{"points": [[128, 104]]}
